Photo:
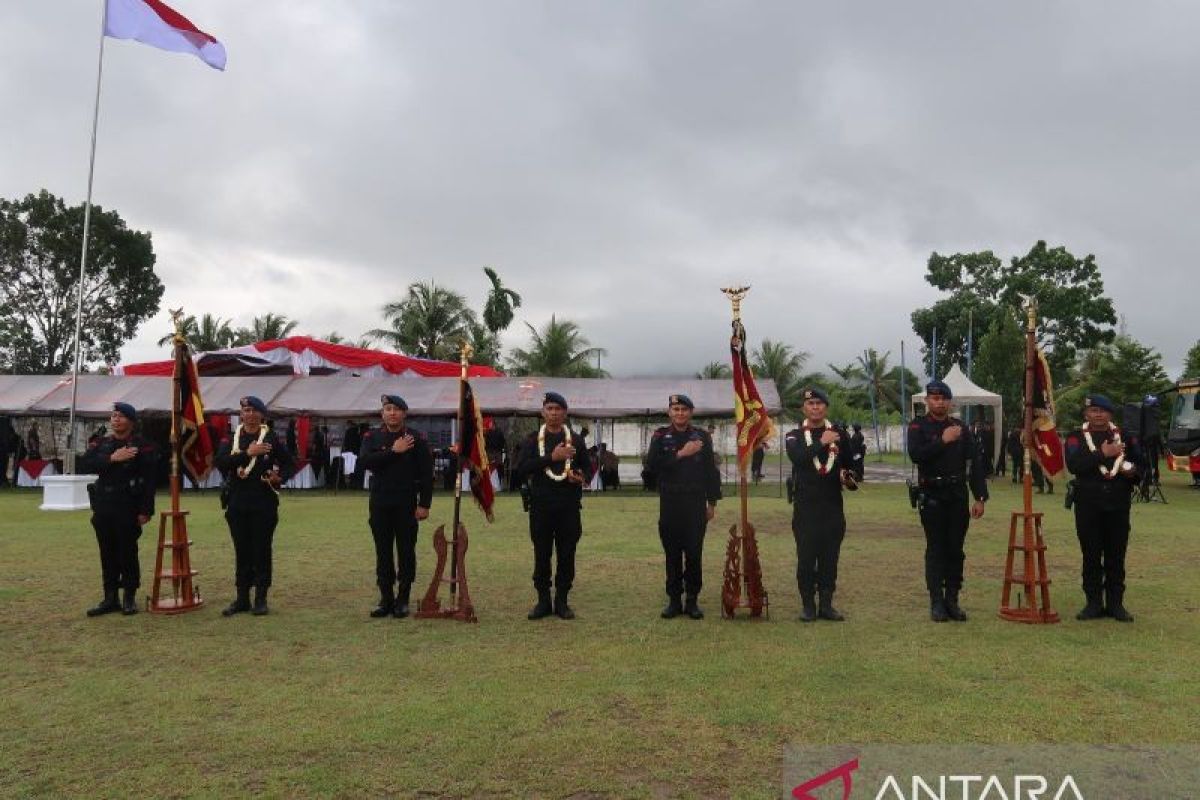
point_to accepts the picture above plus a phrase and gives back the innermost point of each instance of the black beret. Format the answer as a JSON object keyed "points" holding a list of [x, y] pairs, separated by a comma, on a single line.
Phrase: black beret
{"points": [[395, 400], [681, 399], [126, 410], [938, 387], [1099, 401], [556, 398], [814, 393], [253, 402]]}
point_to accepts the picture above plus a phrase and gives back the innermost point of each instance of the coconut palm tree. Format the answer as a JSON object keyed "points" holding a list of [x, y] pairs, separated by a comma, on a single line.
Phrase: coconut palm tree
{"points": [[430, 322], [783, 364], [267, 328], [559, 350], [210, 333], [715, 370]]}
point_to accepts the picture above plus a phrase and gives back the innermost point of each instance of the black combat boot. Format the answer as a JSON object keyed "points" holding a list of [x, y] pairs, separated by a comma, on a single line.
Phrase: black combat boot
{"points": [[401, 609], [692, 609], [386, 602], [826, 609], [953, 610], [240, 604], [561, 609], [674, 608], [808, 608], [1094, 608], [1116, 605], [937, 608], [543, 608], [260, 601], [129, 602], [106, 606]]}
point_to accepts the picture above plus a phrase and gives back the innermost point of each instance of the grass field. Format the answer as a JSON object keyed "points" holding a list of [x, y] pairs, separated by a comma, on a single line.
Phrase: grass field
{"points": [[318, 700]]}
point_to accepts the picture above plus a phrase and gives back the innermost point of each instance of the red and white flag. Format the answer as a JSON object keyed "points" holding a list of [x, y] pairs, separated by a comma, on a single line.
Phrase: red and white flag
{"points": [[155, 23]]}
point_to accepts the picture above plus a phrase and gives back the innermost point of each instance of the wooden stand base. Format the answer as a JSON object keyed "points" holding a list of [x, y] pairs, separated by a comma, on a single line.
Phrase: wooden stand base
{"points": [[1033, 604], [460, 607], [185, 596], [742, 567]]}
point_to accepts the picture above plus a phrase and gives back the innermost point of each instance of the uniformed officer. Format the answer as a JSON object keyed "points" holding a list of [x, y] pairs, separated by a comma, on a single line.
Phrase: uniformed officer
{"points": [[1106, 466], [689, 486], [822, 463], [401, 466], [122, 501], [554, 462], [943, 448], [255, 465]]}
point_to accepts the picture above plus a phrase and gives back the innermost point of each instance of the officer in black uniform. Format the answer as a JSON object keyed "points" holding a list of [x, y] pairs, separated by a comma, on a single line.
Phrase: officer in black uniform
{"points": [[1106, 466], [256, 464], [943, 449], [822, 463], [555, 470], [401, 466], [122, 501], [858, 451], [689, 486]]}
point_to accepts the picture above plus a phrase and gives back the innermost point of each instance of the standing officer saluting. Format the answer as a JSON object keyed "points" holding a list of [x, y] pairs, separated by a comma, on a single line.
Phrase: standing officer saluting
{"points": [[689, 487], [255, 466], [401, 490], [943, 448], [554, 463], [822, 463], [1106, 468], [122, 501]]}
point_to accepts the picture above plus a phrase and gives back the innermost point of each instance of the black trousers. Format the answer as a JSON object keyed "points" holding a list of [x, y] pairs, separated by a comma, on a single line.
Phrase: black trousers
{"points": [[1103, 538], [252, 528], [394, 529], [555, 530], [945, 517], [819, 529], [117, 533], [682, 520]]}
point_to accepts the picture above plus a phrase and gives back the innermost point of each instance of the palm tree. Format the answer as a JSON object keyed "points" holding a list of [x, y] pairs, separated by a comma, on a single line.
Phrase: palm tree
{"points": [[715, 370], [210, 333], [880, 383], [498, 310], [266, 328], [187, 327], [783, 364], [559, 350], [430, 322]]}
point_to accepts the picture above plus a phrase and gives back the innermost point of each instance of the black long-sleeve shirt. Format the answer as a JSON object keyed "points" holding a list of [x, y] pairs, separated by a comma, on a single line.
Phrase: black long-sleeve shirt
{"points": [[942, 465], [398, 479], [122, 485], [696, 474], [531, 467], [252, 489], [1090, 483], [810, 484]]}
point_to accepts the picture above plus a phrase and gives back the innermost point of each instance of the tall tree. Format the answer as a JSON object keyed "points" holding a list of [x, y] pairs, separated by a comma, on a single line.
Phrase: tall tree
{"points": [[558, 350], [267, 328], [430, 322], [1191, 363], [1125, 371], [783, 364], [498, 311], [1000, 364], [40, 241], [209, 333], [715, 370]]}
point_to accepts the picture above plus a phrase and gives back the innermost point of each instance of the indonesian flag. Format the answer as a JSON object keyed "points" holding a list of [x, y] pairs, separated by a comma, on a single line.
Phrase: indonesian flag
{"points": [[1047, 447], [474, 453], [155, 23], [195, 445], [753, 424]]}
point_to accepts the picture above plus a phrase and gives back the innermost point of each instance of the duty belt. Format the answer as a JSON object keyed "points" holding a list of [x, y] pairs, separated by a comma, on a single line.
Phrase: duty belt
{"points": [[941, 481]]}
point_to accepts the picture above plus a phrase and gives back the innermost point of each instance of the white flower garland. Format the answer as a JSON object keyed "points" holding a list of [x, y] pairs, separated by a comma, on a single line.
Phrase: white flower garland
{"points": [[1108, 473], [822, 469], [541, 441], [237, 448]]}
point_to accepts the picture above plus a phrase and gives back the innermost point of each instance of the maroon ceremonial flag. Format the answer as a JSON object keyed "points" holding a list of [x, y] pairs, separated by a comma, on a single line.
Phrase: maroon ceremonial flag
{"points": [[1047, 447], [753, 424], [474, 454], [195, 445]]}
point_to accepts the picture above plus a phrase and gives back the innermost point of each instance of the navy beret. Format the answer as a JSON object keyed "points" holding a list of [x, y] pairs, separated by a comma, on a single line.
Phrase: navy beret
{"points": [[555, 397], [126, 410], [253, 402], [1099, 401], [395, 400], [937, 387], [814, 393], [681, 399]]}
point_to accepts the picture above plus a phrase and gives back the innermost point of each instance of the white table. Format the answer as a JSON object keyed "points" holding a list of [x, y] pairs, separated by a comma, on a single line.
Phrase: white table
{"points": [[26, 478]]}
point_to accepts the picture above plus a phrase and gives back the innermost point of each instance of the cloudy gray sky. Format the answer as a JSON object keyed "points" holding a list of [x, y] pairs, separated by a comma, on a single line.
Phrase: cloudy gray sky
{"points": [[617, 162]]}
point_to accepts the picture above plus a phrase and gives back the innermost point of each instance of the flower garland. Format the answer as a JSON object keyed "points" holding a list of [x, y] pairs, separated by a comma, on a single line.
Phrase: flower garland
{"points": [[1108, 473], [822, 469], [541, 441], [244, 472]]}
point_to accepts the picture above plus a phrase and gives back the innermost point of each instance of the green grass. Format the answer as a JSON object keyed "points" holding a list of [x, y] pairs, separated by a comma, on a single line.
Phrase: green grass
{"points": [[317, 699]]}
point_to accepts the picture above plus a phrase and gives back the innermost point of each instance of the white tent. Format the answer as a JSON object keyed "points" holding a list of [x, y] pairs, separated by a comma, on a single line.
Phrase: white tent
{"points": [[967, 393]]}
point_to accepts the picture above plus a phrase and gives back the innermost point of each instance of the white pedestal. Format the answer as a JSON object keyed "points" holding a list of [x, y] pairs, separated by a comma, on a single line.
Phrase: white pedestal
{"points": [[65, 492]]}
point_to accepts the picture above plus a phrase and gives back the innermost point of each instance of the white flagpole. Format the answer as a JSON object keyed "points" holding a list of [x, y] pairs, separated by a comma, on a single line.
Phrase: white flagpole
{"points": [[69, 461]]}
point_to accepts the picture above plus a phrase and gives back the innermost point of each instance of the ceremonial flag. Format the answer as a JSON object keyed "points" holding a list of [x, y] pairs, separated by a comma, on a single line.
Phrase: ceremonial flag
{"points": [[753, 424], [155, 23], [1047, 447], [474, 453], [195, 445]]}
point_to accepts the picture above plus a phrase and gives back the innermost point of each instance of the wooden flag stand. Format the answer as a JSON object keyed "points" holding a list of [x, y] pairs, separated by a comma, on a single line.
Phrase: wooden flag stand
{"points": [[1033, 605], [184, 594]]}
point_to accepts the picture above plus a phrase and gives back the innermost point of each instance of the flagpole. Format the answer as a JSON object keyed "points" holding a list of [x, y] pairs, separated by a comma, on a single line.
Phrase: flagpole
{"points": [[87, 221]]}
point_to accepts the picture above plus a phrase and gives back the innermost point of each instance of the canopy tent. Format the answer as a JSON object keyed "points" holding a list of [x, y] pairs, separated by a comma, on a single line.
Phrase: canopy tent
{"points": [[303, 355], [347, 396], [967, 393]]}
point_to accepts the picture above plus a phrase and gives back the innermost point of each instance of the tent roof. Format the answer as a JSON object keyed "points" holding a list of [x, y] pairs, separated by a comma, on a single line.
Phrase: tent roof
{"points": [[965, 392], [19, 392]]}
